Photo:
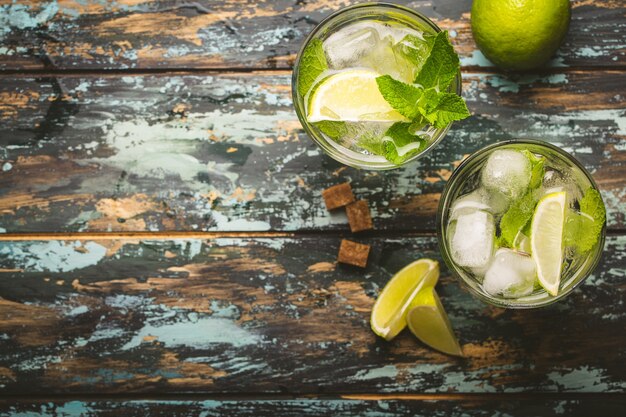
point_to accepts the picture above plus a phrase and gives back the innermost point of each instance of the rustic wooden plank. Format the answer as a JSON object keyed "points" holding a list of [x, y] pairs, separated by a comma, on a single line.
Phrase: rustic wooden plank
{"points": [[528, 407], [280, 316], [226, 152], [70, 34]]}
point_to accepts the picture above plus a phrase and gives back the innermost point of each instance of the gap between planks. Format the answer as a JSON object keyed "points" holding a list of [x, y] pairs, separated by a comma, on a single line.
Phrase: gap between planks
{"points": [[5, 237], [29, 73], [206, 235], [6, 398]]}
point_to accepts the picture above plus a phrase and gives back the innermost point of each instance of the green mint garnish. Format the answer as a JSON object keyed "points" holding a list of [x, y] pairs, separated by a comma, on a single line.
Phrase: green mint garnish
{"points": [[334, 130], [516, 218], [372, 144], [448, 108], [441, 66], [396, 141], [312, 64], [591, 204], [582, 230], [537, 168], [401, 96], [429, 100], [439, 109]]}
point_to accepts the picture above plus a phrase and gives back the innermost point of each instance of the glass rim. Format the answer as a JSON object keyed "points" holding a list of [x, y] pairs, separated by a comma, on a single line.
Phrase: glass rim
{"points": [[444, 205], [343, 155]]}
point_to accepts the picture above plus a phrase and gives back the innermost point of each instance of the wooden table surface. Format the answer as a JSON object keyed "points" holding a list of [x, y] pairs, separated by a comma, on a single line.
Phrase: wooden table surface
{"points": [[165, 248]]}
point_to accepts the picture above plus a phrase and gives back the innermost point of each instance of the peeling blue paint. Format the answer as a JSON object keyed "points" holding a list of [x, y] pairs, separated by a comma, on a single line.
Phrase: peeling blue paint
{"points": [[7, 166], [200, 334], [21, 16], [476, 59], [52, 256], [78, 310], [36, 363], [225, 310], [584, 379], [124, 301], [589, 52], [82, 87], [511, 84], [387, 371]]}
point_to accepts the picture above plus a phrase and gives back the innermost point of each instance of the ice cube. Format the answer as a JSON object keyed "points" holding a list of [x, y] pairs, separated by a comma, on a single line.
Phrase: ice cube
{"points": [[363, 134], [469, 203], [511, 274], [480, 199], [384, 60], [508, 172], [471, 237], [410, 54], [554, 181], [346, 47]]}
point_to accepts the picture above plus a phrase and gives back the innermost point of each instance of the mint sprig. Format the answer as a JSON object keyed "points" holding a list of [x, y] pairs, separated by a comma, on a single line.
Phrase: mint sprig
{"points": [[312, 64], [333, 129], [399, 144], [516, 218], [401, 96], [537, 168], [582, 230], [429, 100], [441, 66], [448, 108]]}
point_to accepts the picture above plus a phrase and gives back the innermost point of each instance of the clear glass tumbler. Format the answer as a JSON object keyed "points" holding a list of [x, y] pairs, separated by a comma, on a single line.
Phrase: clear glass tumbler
{"points": [[465, 179], [379, 12]]}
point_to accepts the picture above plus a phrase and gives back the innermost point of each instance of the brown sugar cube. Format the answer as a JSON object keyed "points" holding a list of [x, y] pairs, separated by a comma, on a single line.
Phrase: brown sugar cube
{"points": [[338, 196], [359, 216], [353, 253]]}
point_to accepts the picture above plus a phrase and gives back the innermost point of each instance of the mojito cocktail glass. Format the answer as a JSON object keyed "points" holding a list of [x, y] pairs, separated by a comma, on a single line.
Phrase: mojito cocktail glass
{"points": [[361, 43], [521, 223]]}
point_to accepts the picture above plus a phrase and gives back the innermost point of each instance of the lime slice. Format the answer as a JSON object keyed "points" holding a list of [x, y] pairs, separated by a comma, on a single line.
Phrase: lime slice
{"points": [[389, 312], [429, 322], [350, 96], [546, 239]]}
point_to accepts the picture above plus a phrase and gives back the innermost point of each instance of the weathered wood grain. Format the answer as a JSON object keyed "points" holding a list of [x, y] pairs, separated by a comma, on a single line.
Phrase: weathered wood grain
{"points": [[70, 34], [280, 316], [226, 152], [527, 407]]}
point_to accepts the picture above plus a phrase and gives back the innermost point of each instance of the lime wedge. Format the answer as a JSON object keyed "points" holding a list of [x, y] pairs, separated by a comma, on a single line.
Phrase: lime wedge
{"points": [[389, 312], [429, 322], [350, 96], [546, 239]]}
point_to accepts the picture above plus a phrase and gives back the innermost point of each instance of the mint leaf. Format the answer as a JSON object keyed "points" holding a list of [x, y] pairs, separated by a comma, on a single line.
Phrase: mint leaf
{"points": [[431, 102], [428, 102], [591, 204], [582, 230], [333, 129], [312, 64], [399, 144], [537, 168], [579, 231], [516, 217], [441, 66], [449, 107], [593, 210], [401, 96], [371, 144]]}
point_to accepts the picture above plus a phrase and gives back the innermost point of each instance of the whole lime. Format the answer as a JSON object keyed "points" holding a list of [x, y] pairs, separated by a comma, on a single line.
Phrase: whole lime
{"points": [[519, 34]]}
